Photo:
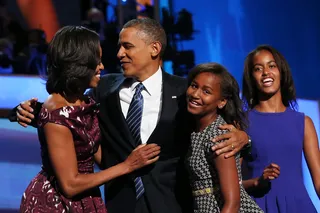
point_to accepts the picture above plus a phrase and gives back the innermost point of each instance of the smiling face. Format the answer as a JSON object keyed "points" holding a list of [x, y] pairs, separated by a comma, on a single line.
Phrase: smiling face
{"points": [[135, 53], [96, 78], [266, 74], [204, 95]]}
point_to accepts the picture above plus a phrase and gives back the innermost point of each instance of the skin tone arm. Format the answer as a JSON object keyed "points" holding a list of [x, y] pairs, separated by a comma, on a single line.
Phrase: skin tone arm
{"points": [[63, 158], [25, 109], [24, 112], [233, 141], [271, 172], [97, 157], [229, 183], [312, 152]]}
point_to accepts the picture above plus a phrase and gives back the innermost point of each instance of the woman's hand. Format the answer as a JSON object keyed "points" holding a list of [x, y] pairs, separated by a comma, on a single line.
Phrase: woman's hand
{"points": [[142, 156], [271, 172]]}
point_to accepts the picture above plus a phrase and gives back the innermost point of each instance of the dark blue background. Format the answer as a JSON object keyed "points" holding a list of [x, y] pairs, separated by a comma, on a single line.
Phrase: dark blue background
{"points": [[229, 29]]}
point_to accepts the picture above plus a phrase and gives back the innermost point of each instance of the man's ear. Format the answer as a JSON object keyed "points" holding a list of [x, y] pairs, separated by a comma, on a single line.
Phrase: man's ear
{"points": [[155, 48]]}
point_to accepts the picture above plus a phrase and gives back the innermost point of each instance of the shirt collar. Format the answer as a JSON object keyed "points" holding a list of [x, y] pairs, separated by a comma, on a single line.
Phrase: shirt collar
{"points": [[153, 84]]}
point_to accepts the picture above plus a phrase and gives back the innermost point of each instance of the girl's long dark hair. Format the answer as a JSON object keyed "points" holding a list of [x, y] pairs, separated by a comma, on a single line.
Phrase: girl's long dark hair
{"points": [[249, 89], [232, 112]]}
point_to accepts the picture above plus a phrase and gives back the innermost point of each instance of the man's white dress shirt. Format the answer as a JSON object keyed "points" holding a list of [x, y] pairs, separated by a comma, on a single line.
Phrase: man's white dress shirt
{"points": [[152, 102]]}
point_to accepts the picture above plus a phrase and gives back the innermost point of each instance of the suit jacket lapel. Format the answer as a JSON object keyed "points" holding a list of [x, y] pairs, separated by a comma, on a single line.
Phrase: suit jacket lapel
{"points": [[116, 115], [169, 97], [169, 101]]}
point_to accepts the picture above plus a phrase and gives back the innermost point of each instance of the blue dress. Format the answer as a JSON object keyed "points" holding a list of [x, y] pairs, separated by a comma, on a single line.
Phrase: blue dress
{"points": [[278, 138]]}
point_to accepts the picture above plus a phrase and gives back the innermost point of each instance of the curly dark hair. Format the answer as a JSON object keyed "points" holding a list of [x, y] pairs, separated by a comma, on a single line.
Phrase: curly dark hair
{"points": [[72, 58], [152, 29], [250, 91], [232, 112]]}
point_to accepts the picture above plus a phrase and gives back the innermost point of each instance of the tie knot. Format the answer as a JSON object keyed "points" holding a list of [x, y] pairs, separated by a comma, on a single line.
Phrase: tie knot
{"points": [[139, 88]]}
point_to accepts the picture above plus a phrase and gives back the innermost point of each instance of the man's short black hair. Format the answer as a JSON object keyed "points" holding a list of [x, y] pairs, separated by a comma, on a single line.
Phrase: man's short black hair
{"points": [[151, 29]]}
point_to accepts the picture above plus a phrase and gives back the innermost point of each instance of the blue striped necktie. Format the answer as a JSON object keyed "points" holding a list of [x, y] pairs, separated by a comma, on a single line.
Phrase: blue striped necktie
{"points": [[134, 123]]}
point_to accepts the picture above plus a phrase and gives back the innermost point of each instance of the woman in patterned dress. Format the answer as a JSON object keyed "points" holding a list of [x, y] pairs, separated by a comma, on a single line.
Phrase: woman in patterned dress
{"points": [[69, 133], [213, 100]]}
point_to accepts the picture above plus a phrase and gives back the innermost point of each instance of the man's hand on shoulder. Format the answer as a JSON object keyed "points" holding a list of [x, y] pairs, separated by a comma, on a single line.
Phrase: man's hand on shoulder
{"points": [[25, 112], [233, 141]]}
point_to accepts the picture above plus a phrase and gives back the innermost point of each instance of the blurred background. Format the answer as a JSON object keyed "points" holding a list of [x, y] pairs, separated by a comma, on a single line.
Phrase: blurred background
{"points": [[222, 31]]}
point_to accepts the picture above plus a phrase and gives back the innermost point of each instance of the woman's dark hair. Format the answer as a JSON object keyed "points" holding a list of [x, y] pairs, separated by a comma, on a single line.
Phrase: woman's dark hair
{"points": [[250, 90], [232, 112], [72, 58]]}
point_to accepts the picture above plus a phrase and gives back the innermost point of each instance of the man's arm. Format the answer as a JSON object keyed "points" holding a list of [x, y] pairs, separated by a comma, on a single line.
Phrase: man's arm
{"points": [[92, 92], [63, 158], [245, 152], [26, 113], [233, 141]]}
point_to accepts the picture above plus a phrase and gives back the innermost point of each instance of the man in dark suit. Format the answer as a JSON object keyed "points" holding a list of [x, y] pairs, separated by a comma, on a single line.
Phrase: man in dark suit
{"points": [[163, 186], [141, 43]]}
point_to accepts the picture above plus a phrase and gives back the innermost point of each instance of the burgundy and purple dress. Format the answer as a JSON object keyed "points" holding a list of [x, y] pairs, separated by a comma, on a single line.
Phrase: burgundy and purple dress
{"points": [[43, 193]]}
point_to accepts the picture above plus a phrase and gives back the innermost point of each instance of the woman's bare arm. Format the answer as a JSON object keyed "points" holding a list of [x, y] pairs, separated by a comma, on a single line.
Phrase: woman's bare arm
{"points": [[312, 153], [97, 157], [63, 158], [270, 172], [229, 183]]}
